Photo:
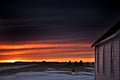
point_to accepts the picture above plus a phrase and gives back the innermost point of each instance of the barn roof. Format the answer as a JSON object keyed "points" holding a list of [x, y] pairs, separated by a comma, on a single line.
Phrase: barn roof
{"points": [[110, 32]]}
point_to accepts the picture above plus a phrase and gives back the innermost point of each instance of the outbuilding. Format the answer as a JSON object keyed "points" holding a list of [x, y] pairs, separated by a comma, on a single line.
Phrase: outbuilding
{"points": [[107, 55]]}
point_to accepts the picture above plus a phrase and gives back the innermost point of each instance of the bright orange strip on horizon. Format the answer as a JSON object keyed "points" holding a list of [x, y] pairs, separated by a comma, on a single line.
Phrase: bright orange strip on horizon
{"points": [[39, 49]]}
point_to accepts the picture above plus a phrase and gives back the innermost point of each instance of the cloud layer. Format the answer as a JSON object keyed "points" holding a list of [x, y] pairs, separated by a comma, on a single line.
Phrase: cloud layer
{"points": [[53, 29]]}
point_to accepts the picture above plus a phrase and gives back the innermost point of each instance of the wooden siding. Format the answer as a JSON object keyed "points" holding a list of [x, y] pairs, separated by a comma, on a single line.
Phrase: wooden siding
{"points": [[106, 70], [101, 59], [116, 59]]}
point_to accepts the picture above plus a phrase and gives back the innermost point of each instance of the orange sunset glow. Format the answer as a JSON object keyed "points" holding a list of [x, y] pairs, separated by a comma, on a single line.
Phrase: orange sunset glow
{"points": [[48, 51]]}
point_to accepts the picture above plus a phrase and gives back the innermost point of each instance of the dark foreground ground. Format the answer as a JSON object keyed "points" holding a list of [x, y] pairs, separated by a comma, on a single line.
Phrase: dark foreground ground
{"points": [[43, 66]]}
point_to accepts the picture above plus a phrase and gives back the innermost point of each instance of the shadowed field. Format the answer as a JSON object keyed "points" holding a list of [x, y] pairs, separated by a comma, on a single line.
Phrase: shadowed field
{"points": [[39, 67]]}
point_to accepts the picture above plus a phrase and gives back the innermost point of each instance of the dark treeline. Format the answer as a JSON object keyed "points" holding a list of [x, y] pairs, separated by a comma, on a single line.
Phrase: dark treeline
{"points": [[75, 63]]}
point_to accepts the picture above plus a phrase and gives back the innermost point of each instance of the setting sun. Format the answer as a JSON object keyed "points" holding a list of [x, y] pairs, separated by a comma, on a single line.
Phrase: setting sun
{"points": [[12, 61]]}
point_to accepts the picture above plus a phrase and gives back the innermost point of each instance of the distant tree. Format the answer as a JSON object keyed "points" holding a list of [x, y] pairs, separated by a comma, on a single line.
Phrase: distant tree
{"points": [[75, 63], [69, 62], [87, 63], [92, 63], [44, 62], [81, 62]]}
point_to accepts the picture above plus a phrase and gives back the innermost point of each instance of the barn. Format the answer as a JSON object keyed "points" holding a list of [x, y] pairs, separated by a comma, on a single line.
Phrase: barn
{"points": [[107, 55]]}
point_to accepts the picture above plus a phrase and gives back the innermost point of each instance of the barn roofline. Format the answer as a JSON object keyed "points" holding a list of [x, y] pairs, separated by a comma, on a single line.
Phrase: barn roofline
{"points": [[110, 32]]}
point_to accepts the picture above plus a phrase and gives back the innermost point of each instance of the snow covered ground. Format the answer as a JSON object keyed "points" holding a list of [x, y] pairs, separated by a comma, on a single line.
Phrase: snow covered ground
{"points": [[16, 67], [50, 75]]}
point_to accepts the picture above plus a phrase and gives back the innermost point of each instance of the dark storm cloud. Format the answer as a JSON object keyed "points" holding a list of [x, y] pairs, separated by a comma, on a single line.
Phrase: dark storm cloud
{"points": [[46, 19], [19, 33]]}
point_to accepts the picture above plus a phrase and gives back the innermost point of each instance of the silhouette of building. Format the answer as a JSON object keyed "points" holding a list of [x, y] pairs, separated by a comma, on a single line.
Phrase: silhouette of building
{"points": [[107, 55]]}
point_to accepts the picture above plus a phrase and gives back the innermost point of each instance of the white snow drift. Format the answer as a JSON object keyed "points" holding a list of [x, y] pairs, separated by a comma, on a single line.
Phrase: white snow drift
{"points": [[49, 75]]}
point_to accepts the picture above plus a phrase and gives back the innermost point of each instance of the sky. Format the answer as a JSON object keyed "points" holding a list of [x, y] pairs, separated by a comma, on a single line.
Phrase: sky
{"points": [[54, 30]]}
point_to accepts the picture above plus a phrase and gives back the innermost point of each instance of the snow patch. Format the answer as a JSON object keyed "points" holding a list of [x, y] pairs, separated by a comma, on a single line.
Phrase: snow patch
{"points": [[47, 76]]}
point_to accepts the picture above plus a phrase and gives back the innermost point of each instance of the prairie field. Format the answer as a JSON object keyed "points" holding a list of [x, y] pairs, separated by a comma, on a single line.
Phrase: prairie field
{"points": [[46, 71]]}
